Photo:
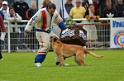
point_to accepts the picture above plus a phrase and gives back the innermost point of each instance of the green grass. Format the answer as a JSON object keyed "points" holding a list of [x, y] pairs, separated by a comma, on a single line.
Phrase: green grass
{"points": [[20, 67]]}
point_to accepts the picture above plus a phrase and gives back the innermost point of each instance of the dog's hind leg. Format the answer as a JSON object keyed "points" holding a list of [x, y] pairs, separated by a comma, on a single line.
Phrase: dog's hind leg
{"points": [[79, 59], [76, 61]]}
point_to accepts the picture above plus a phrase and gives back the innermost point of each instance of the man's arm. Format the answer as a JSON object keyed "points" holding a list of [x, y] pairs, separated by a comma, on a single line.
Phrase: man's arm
{"points": [[33, 21], [62, 25], [59, 21]]}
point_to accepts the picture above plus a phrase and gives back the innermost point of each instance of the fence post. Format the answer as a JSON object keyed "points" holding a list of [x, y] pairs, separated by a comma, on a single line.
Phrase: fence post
{"points": [[9, 37]]}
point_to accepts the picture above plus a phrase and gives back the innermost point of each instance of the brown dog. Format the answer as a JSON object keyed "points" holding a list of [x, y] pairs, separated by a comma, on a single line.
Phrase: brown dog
{"points": [[67, 50]]}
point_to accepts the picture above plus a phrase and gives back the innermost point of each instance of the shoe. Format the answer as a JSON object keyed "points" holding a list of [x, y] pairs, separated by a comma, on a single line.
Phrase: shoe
{"points": [[1, 59], [38, 64], [66, 64]]}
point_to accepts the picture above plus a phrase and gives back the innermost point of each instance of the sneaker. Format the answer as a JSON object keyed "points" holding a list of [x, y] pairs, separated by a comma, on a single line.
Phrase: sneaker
{"points": [[1, 59], [66, 64], [37, 64]]}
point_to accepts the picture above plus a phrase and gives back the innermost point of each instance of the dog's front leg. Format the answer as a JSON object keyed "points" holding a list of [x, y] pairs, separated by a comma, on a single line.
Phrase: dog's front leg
{"points": [[61, 59]]}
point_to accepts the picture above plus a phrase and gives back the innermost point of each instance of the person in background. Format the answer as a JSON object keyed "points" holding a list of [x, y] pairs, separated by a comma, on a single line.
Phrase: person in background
{"points": [[95, 5], [43, 21], [102, 5], [21, 7], [66, 8], [29, 13], [91, 15], [78, 11], [3, 30], [108, 12], [85, 5], [45, 3], [13, 18], [109, 9], [4, 9], [1, 3], [120, 8]]}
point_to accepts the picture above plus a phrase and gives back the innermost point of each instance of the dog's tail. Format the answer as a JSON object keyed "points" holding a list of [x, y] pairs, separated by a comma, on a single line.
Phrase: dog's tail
{"points": [[93, 54]]}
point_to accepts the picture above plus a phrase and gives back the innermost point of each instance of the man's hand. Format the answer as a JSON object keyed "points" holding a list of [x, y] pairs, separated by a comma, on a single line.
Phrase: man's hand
{"points": [[15, 19], [26, 33], [94, 17]]}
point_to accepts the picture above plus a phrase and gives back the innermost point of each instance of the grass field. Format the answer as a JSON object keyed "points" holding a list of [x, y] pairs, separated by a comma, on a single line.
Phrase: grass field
{"points": [[20, 67]]}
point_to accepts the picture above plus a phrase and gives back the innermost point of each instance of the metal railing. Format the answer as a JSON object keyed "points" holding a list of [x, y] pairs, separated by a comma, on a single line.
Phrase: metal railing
{"points": [[100, 43]]}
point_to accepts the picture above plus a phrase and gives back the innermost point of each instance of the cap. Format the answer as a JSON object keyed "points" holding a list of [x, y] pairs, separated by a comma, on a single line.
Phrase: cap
{"points": [[5, 2]]}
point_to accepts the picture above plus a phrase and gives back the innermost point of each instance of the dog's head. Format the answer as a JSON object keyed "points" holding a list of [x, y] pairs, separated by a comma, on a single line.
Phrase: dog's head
{"points": [[54, 38]]}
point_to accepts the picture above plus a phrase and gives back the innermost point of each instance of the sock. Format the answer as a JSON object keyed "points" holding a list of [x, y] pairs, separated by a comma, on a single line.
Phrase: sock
{"points": [[40, 58]]}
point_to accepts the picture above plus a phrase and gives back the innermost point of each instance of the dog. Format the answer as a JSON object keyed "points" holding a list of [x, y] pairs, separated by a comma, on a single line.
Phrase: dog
{"points": [[67, 50]]}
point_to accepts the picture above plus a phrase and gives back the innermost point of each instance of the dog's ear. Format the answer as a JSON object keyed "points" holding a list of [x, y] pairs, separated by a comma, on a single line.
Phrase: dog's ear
{"points": [[54, 39]]}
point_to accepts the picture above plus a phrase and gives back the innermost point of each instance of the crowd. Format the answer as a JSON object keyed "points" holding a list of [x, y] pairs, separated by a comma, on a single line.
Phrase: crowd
{"points": [[92, 10], [15, 13]]}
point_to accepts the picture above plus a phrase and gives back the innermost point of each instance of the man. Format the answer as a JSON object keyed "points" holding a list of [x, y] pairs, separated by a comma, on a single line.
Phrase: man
{"points": [[13, 17], [78, 11], [120, 8], [3, 30], [42, 21], [21, 7], [66, 8], [4, 9], [109, 9]]}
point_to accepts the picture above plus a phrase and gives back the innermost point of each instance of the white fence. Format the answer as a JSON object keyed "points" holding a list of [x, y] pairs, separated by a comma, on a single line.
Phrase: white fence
{"points": [[97, 44]]}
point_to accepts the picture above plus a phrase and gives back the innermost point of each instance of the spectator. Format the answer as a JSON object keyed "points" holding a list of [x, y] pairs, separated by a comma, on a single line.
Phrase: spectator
{"points": [[120, 8], [3, 30], [102, 5], [21, 7], [1, 3], [95, 5], [78, 11], [85, 5], [91, 15], [30, 12], [13, 17], [45, 3], [109, 9], [65, 9], [5, 9]]}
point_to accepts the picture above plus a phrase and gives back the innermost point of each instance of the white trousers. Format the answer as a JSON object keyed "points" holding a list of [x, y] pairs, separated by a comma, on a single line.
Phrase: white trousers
{"points": [[44, 43]]}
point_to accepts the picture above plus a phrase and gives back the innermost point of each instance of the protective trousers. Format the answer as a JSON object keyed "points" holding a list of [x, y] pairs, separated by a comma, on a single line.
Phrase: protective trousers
{"points": [[44, 46]]}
